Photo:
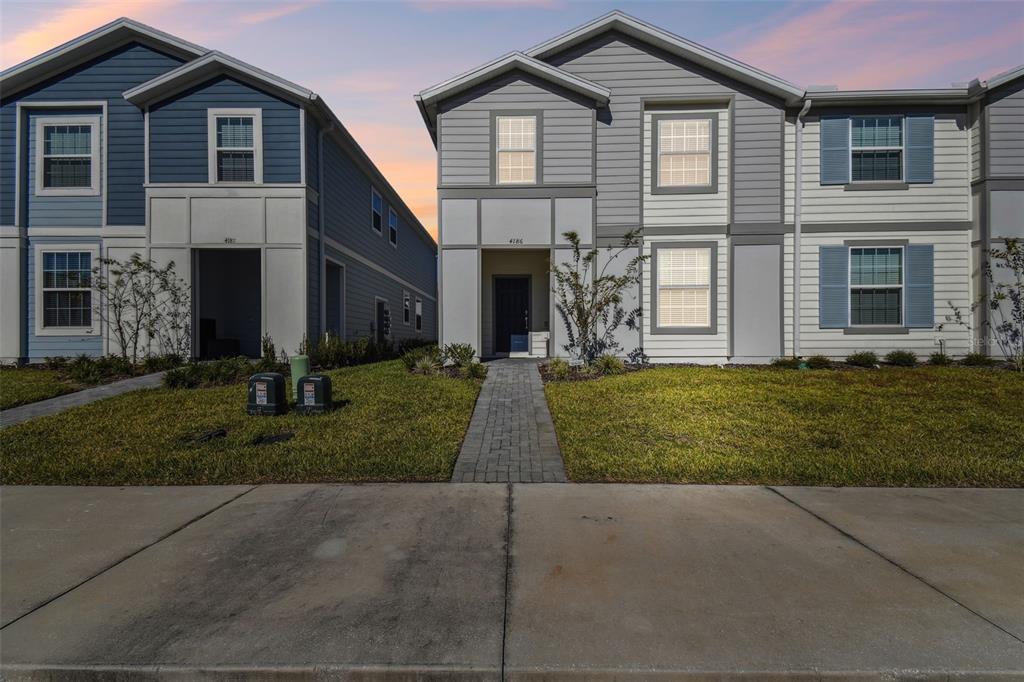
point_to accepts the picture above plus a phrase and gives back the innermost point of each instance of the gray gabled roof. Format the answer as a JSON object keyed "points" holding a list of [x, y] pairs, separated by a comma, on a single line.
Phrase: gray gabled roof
{"points": [[1005, 77], [94, 43], [689, 50], [514, 61], [206, 67]]}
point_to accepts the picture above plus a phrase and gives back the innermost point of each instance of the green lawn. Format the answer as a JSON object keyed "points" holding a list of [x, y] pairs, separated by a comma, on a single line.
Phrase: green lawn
{"points": [[398, 427], [23, 385], [887, 427]]}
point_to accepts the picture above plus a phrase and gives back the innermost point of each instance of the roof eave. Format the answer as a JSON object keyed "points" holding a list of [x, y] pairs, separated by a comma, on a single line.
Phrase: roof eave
{"points": [[887, 97]]}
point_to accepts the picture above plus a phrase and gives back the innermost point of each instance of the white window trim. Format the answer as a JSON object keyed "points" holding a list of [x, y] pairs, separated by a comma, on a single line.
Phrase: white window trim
{"points": [[902, 286], [902, 149], [94, 154], [498, 149], [94, 251], [257, 140], [406, 308], [418, 314], [374, 194], [393, 214]]}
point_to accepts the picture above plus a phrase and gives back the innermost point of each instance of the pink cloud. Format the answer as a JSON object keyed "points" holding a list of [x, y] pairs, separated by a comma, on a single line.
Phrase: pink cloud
{"points": [[276, 11], [451, 5]]}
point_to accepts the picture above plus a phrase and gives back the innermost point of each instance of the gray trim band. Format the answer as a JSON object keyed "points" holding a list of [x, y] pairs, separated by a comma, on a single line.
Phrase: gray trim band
{"points": [[684, 230], [865, 331], [885, 227], [874, 186], [514, 192], [875, 242], [759, 228], [757, 240]]}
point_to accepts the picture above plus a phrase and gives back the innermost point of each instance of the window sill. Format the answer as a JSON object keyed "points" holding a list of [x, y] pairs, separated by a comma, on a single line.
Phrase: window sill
{"points": [[874, 186], [682, 331], [875, 330], [67, 331], [703, 189]]}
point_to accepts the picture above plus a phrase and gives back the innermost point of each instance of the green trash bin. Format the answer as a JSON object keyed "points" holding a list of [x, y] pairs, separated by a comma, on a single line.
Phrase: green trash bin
{"points": [[300, 368]]}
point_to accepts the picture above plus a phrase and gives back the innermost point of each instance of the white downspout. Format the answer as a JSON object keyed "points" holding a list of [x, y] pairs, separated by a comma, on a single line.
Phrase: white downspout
{"points": [[798, 182]]}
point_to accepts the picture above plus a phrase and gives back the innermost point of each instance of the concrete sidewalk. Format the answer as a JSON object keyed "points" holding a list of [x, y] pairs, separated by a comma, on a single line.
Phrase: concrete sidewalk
{"points": [[432, 581], [43, 408]]}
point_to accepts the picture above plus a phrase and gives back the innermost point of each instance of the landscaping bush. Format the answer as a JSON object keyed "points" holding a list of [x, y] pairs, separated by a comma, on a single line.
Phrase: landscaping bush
{"points": [[559, 369], [939, 359], [786, 363], [161, 363], [901, 358], [333, 352], [412, 343], [214, 373], [977, 360], [863, 359], [459, 354], [608, 364], [474, 370], [424, 359], [819, 362]]}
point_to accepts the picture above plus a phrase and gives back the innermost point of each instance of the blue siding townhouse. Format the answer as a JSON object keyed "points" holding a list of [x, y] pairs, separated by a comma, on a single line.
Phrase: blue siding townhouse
{"points": [[129, 140]]}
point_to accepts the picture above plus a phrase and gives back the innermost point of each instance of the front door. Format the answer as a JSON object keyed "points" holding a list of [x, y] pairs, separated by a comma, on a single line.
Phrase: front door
{"points": [[511, 310], [383, 326]]}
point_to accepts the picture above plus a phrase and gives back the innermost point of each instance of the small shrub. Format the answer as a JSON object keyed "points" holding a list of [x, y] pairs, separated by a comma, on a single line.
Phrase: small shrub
{"points": [[161, 363], [412, 343], [474, 370], [608, 364], [819, 362], [939, 359], [425, 364], [58, 363], [459, 354], [189, 376], [84, 370], [864, 358], [559, 369], [902, 358], [977, 360], [422, 358], [786, 363], [222, 372]]}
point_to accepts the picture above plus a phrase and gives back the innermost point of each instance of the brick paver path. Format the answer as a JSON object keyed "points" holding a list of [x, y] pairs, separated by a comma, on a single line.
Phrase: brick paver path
{"points": [[511, 437]]}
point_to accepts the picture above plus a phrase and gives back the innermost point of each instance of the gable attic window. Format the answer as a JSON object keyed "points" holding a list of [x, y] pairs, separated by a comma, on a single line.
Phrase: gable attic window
{"points": [[516, 150], [67, 156], [236, 145]]}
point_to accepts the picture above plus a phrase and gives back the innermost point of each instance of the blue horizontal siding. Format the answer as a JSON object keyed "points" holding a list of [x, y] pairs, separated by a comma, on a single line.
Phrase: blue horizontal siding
{"points": [[103, 78], [58, 211], [178, 132], [41, 347]]}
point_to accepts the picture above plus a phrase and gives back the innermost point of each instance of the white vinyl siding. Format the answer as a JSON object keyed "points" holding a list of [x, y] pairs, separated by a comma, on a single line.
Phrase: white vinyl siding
{"points": [[516, 149], [688, 209], [952, 285], [948, 198]]}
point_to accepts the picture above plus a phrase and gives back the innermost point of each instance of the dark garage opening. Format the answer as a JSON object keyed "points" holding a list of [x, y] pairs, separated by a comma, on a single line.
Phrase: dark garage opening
{"points": [[227, 294]]}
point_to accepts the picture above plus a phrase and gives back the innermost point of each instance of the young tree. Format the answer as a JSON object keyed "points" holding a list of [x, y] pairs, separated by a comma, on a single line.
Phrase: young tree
{"points": [[143, 305], [589, 298], [1004, 301]]}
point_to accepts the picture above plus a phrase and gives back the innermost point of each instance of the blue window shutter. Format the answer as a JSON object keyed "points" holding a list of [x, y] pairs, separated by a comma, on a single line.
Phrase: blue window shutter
{"points": [[833, 287], [920, 294], [835, 151], [920, 148]]}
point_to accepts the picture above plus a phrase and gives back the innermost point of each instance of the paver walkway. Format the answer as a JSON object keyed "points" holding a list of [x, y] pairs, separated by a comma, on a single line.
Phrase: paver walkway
{"points": [[22, 413], [511, 437]]}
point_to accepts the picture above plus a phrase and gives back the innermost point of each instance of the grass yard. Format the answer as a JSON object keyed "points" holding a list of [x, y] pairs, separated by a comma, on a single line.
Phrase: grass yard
{"points": [[24, 385], [886, 427], [398, 427]]}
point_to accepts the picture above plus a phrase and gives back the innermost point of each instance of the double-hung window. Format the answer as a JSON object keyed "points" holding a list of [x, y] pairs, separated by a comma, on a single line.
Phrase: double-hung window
{"points": [[406, 307], [876, 286], [419, 314], [684, 287], [64, 291], [393, 226], [67, 155], [236, 145], [376, 211], [684, 158], [876, 148], [516, 151]]}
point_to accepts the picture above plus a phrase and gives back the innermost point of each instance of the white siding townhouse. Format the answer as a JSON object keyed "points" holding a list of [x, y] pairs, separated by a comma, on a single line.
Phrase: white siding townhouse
{"points": [[778, 220], [129, 140]]}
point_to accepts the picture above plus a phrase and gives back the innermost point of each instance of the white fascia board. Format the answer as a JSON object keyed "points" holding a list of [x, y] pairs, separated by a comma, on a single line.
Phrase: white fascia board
{"points": [[511, 62], [674, 44], [919, 96], [87, 46], [207, 66]]}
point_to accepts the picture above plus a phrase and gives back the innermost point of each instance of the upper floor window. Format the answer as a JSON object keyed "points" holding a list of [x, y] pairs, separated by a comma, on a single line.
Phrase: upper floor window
{"points": [[684, 153], [876, 148], [393, 227], [67, 156], [876, 286], [377, 210], [236, 145], [684, 283], [516, 150]]}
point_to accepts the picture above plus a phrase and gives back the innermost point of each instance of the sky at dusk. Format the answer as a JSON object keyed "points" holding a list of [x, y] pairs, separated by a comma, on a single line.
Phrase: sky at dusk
{"points": [[367, 59]]}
